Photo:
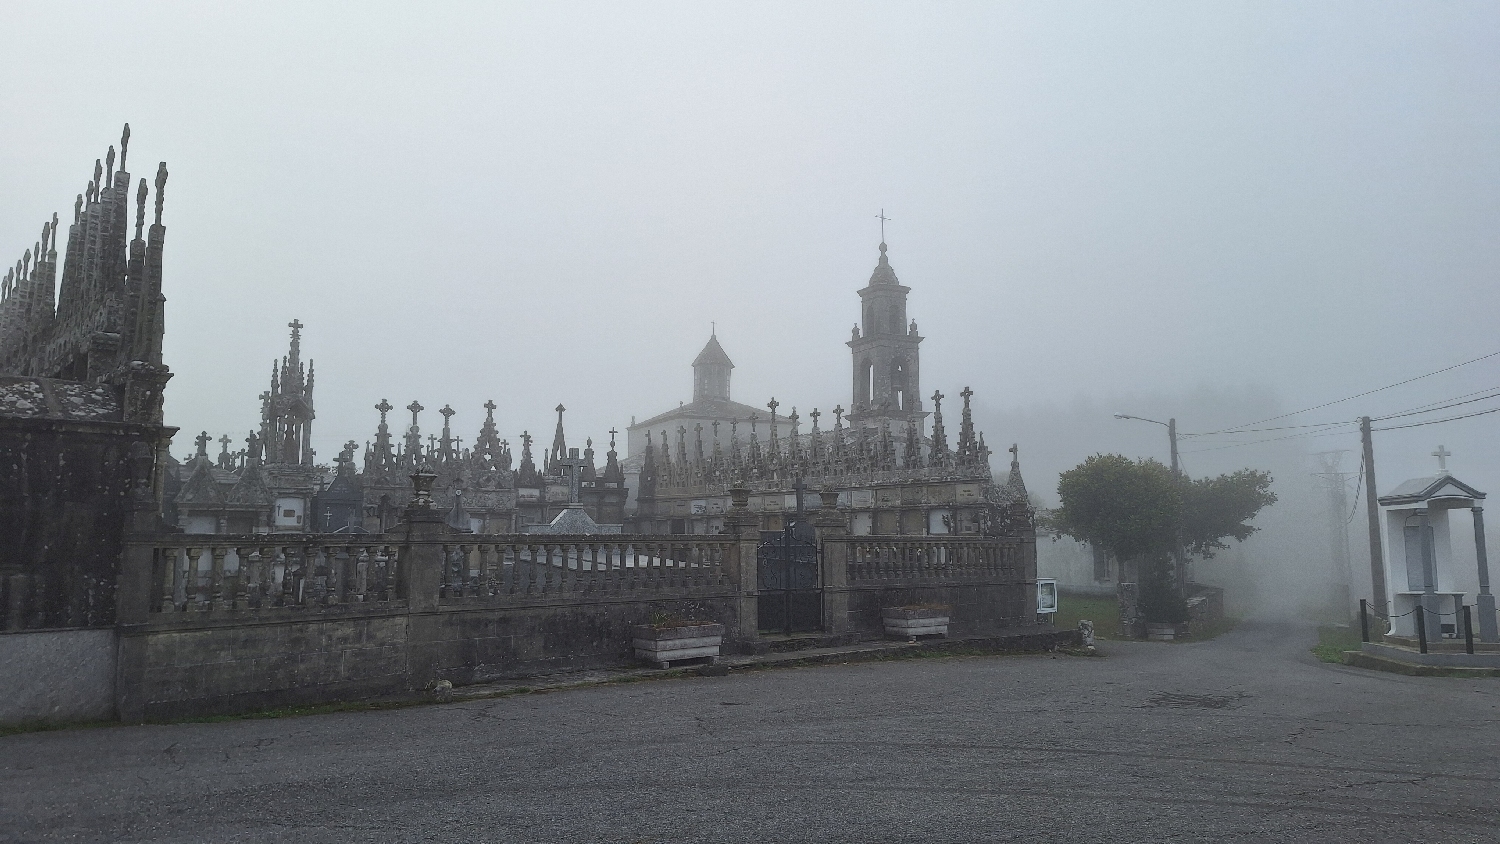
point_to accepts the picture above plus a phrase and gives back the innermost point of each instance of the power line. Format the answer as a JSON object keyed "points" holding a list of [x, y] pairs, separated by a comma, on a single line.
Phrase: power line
{"points": [[1437, 421], [1438, 406], [1272, 440], [1236, 428], [1254, 430]]}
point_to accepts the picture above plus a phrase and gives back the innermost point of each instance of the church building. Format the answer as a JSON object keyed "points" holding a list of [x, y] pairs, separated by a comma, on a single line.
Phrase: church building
{"points": [[893, 476]]}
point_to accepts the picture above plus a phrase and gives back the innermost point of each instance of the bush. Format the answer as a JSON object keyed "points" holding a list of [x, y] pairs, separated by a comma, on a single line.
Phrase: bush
{"points": [[1161, 603]]}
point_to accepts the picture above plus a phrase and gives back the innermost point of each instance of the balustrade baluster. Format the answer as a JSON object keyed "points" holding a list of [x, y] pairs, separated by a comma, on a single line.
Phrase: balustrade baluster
{"points": [[168, 558], [198, 599], [242, 579]]}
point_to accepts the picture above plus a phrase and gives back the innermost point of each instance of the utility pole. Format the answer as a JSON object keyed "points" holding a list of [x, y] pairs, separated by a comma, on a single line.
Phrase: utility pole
{"points": [[1372, 510], [1337, 484], [1172, 435]]}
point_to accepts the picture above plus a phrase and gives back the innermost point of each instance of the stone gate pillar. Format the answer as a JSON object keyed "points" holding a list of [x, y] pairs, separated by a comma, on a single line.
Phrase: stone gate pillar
{"points": [[745, 574], [832, 527]]}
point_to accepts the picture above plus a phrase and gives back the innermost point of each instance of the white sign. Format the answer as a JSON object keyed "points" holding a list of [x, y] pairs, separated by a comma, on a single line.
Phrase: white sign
{"points": [[1046, 595]]}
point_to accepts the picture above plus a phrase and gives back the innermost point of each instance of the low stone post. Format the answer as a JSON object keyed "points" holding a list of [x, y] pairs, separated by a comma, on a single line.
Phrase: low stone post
{"points": [[832, 526], [745, 573]]}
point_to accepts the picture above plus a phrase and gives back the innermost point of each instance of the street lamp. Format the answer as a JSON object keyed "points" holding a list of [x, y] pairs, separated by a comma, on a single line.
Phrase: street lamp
{"points": [[1170, 425], [1178, 557]]}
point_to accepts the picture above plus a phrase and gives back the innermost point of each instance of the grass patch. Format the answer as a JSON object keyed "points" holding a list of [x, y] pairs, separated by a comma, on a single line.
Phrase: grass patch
{"points": [[1104, 612], [1333, 641]]}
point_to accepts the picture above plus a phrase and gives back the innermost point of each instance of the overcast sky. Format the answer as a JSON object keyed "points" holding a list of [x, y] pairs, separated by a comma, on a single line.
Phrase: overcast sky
{"points": [[1094, 204]]}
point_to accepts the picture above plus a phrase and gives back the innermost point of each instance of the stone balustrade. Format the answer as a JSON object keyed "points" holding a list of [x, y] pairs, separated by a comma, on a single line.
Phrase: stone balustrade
{"points": [[207, 574], [261, 572], [931, 558], [501, 567]]}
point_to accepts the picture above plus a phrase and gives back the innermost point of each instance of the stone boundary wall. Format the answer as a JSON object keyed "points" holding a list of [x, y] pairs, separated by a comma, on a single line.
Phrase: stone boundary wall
{"points": [[57, 676], [226, 624]]}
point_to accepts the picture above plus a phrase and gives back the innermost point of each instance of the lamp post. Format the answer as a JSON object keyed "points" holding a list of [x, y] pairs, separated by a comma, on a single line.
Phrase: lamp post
{"points": [[1170, 425], [1178, 558]]}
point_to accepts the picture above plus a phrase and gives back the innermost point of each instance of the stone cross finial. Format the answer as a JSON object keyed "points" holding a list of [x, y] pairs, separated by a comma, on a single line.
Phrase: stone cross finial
{"points": [[814, 416], [203, 440], [1442, 454], [1015, 452], [225, 441], [773, 404], [447, 413], [883, 220], [715, 426], [612, 433], [937, 398], [489, 408], [838, 413], [415, 407], [384, 407], [966, 393]]}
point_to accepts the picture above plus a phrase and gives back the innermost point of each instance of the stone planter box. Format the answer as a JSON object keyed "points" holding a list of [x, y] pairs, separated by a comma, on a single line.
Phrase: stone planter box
{"points": [[910, 622], [1166, 632], [666, 645]]}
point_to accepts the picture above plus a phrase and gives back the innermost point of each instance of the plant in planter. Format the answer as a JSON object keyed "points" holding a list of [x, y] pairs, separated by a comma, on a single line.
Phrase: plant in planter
{"points": [[913, 620], [667, 638]]}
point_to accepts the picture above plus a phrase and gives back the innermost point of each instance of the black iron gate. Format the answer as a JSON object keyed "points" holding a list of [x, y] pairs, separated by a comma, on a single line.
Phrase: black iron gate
{"points": [[791, 588]]}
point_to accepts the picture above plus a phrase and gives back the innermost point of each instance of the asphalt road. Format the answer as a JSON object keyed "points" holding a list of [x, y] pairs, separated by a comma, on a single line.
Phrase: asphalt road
{"points": [[1245, 738]]}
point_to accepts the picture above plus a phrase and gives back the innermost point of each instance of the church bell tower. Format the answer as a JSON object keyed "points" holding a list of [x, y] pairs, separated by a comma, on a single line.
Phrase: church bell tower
{"points": [[887, 384]]}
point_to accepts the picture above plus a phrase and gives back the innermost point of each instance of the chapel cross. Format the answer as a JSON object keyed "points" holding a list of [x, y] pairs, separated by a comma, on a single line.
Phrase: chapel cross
{"points": [[966, 393], [225, 441], [295, 325], [838, 414], [815, 414], [1442, 454], [612, 433], [490, 406], [937, 398], [447, 412], [384, 407], [415, 407], [203, 440], [883, 220]]}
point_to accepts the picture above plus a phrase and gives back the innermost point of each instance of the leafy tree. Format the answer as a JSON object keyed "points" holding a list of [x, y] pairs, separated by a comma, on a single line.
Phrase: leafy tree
{"points": [[1123, 506], [1215, 509], [1137, 509]]}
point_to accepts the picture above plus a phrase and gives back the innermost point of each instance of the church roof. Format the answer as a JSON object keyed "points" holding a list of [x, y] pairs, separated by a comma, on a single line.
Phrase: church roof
{"points": [[713, 354], [721, 409], [1417, 490], [574, 520], [883, 273]]}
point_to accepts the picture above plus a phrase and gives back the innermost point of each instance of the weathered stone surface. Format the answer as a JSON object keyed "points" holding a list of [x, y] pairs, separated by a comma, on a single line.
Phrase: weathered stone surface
{"points": [[57, 676]]}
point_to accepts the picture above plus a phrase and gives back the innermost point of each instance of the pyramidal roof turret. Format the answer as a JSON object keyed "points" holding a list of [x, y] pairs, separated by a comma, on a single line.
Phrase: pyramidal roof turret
{"points": [[713, 353]]}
